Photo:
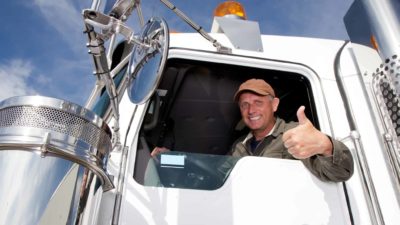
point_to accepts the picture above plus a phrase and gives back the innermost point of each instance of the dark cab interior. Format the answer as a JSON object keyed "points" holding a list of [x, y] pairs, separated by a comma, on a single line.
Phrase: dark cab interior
{"points": [[193, 109]]}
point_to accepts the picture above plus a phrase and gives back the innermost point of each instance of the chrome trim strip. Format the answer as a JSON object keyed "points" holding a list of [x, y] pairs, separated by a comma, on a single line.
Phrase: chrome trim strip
{"points": [[362, 164]]}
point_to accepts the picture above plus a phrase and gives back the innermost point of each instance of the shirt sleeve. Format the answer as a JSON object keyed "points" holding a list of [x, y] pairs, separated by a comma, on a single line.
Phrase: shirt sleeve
{"points": [[336, 168]]}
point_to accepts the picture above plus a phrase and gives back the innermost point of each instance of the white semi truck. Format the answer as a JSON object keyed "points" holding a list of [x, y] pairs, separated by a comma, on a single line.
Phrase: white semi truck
{"points": [[62, 163]]}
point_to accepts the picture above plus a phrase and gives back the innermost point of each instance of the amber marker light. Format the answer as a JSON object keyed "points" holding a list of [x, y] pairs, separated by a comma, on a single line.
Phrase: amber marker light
{"points": [[374, 43], [230, 8]]}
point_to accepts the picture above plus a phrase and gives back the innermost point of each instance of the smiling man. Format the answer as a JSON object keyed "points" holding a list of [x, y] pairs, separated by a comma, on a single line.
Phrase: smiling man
{"points": [[270, 136]]}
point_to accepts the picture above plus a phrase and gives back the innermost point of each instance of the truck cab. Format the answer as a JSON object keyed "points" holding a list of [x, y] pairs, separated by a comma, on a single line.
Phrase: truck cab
{"points": [[192, 113]]}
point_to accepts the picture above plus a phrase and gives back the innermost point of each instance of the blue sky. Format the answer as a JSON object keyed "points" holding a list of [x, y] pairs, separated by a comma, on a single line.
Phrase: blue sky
{"points": [[43, 48]]}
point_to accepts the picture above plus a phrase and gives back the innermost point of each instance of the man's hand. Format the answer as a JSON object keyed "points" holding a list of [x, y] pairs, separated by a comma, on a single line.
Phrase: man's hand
{"points": [[158, 150], [305, 140]]}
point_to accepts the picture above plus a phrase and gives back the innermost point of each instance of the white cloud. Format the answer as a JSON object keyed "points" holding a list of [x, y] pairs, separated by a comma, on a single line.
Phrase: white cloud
{"points": [[42, 80], [14, 75], [59, 78], [66, 19]]}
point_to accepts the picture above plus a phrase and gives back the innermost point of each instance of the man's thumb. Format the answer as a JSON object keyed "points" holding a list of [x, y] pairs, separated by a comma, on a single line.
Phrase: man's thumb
{"points": [[301, 116]]}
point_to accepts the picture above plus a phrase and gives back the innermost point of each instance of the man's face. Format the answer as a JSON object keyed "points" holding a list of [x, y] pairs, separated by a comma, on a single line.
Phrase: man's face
{"points": [[258, 111]]}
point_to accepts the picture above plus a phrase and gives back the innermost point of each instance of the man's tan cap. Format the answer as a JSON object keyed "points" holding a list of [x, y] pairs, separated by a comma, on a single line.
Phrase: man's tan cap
{"points": [[257, 86]]}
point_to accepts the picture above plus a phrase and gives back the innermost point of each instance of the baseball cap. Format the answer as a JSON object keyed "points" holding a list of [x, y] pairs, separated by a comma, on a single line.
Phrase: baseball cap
{"points": [[257, 86]]}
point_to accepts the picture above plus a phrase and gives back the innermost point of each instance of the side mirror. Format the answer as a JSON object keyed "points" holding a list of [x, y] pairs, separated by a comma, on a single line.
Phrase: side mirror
{"points": [[148, 60]]}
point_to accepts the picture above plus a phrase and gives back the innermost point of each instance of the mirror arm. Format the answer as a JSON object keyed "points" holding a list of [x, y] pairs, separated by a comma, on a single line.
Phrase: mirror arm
{"points": [[122, 9], [97, 50], [140, 15], [109, 26]]}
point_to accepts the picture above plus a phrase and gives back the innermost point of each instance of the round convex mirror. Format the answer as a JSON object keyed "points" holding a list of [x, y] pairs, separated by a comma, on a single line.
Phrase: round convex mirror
{"points": [[148, 60]]}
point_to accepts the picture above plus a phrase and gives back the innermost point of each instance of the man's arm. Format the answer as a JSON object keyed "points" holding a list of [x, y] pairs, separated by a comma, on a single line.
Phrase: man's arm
{"points": [[336, 168], [328, 159]]}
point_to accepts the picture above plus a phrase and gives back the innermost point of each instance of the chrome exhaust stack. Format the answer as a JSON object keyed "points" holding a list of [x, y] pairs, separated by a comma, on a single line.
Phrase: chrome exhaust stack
{"points": [[53, 157]]}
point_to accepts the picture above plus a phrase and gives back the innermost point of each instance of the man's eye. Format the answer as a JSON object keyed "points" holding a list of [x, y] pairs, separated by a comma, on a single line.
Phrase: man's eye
{"points": [[244, 105], [259, 103]]}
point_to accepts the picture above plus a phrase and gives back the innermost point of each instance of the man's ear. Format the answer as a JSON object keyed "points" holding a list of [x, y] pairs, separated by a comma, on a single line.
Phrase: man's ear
{"points": [[275, 104]]}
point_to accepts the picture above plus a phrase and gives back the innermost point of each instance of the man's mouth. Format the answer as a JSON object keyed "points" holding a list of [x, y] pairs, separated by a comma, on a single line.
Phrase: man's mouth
{"points": [[254, 118]]}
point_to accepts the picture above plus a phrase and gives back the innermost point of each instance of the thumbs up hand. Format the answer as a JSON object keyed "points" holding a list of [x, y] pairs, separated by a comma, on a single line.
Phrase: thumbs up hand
{"points": [[305, 140]]}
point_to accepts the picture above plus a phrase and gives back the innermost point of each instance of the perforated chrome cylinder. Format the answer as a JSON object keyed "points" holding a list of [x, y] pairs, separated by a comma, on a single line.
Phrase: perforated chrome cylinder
{"points": [[53, 156]]}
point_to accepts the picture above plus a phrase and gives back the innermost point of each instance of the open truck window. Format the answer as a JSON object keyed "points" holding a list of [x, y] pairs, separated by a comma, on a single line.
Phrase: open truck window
{"points": [[194, 115]]}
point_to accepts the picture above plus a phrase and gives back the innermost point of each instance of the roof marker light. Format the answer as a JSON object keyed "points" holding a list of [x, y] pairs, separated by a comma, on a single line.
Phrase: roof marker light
{"points": [[230, 8], [374, 43]]}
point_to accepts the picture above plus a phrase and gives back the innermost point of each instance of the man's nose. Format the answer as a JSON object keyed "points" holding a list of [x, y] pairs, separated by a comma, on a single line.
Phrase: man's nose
{"points": [[251, 108]]}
